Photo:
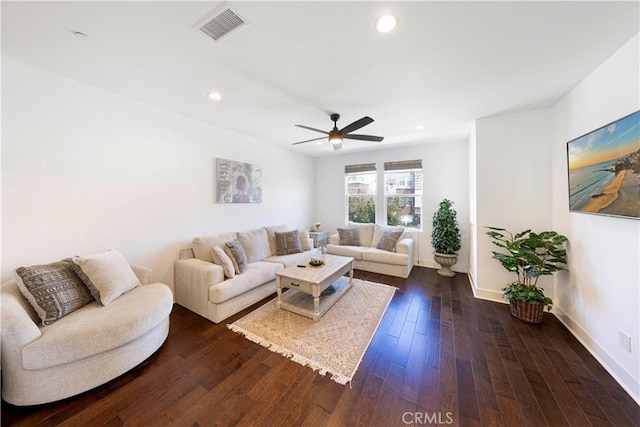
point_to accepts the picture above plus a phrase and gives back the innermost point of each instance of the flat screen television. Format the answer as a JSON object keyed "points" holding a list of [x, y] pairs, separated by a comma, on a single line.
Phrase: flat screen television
{"points": [[604, 169]]}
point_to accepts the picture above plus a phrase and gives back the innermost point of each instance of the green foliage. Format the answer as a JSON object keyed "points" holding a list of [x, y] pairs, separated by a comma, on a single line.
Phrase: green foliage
{"points": [[518, 291], [393, 211], [362, 209], [445, 236], [529, 255]]}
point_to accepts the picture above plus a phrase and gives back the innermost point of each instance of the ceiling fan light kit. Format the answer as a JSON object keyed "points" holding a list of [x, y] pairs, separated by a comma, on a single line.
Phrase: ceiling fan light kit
{"points": [[336, 136]]}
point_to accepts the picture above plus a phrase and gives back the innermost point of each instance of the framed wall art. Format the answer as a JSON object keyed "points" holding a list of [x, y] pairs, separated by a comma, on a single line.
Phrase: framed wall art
{"points": [[238, 182], [604, 169]]}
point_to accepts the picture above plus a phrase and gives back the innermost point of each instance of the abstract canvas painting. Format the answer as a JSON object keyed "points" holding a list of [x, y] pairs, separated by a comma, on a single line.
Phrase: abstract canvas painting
{"points": [[604, 169], [238, 182]]}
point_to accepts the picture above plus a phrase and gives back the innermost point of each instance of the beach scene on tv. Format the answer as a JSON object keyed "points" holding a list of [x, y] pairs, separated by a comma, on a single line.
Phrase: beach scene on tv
{"points": [[604, 169]]}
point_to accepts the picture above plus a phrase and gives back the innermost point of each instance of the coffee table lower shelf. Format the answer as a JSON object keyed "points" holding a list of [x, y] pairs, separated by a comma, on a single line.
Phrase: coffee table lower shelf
{"points": [[302, 303]]}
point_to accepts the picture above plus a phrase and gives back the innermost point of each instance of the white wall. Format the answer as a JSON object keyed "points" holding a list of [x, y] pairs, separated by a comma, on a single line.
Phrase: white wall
{"points": [[445, 175], [84, 170], [600, 296], [513, 189]]}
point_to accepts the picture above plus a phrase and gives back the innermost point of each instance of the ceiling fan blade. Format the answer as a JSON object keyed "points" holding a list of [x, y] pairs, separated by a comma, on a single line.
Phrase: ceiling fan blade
{"points": [[309, 140], [314, 129], [363, 137], [356, 125]]}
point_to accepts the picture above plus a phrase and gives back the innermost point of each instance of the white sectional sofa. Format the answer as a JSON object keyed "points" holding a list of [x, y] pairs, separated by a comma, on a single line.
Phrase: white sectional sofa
{"points": [[84, 349], [201, 285], [395, 262]]}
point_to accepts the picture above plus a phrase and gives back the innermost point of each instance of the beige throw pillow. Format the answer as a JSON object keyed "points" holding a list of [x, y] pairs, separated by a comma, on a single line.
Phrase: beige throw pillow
{"points": [[107, 275], [389, 240], [304, 240], [221, 258], [271, 235]]}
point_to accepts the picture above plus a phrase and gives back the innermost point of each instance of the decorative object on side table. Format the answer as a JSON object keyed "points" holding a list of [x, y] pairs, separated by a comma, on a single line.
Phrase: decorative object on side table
{"points": [[530, 255], [445, 237], [316, 226]]}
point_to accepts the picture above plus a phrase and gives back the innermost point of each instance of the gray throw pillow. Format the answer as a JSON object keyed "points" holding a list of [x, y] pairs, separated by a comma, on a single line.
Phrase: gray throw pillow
{"points": [[238, 254], [288, 243], [389, 240], [349, 236], [53, 290]]}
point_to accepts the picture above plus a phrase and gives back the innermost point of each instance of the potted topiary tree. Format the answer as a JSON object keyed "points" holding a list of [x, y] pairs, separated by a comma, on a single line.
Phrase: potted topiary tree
{"points": [[529, 256], [445, 238]]}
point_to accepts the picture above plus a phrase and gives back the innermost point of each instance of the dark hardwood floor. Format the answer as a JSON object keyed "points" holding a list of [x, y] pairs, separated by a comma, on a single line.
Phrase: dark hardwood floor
{"points": [[439, 357]]}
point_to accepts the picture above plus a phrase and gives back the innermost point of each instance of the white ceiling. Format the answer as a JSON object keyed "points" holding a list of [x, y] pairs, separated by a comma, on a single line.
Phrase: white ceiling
{"points": [[446, 64]]}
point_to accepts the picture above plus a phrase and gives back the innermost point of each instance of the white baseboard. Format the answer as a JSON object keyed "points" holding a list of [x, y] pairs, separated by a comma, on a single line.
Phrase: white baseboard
{"points": [[618, 372]]}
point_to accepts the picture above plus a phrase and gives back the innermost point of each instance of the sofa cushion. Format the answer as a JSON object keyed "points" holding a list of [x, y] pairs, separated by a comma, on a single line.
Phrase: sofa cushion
{"points": [[255, 244], [389, 240], [349, 236], [354, 252], [290, 260], [365, 232], [94, 329], [271, 235], [53, 290], [221, 258], [384, 257], [107, 275], [236, 252], [379, 230], [257, 274], [287, 242], [202, 245]]}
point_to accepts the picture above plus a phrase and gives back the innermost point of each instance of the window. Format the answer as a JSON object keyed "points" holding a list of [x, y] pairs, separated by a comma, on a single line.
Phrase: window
{"points": [[361, 188], [403, 193]]}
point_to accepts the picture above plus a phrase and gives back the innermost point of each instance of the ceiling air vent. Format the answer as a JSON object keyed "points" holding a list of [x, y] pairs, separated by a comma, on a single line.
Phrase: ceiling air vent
{"points": [[221, 23]]}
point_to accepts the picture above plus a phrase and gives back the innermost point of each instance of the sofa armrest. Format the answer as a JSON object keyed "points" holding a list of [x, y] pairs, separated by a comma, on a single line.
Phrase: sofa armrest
{"points": [[334, 239], [18, 326], [142, 273], [193, 278], [405, 246]]}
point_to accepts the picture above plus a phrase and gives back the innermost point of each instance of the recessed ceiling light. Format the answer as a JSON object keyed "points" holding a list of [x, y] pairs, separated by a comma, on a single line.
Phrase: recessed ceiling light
{"points": [[419, 127], [386, 23], [215, 96]]}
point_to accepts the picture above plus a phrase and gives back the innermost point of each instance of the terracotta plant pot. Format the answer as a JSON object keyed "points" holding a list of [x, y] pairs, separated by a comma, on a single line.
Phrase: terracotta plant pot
{"points": [[528, 311], [445, 261]]}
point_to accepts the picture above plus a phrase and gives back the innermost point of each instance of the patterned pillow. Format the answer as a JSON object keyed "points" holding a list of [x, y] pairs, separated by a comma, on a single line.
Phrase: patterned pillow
{"points": [[288, 243], [221, 258], [349, 236], [53, 290], [236, 252], [388, 240]]}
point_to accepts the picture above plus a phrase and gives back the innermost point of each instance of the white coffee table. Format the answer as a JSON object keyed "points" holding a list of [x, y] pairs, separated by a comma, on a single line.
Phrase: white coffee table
{"points": [[307, 283]]}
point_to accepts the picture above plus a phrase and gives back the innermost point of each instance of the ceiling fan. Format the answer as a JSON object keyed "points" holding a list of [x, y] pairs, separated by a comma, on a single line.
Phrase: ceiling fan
{"points": [[337, 135]]}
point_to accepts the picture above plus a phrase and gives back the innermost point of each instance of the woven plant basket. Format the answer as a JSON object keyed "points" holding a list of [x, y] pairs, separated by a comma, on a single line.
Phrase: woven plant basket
{"points": [[528, 311]]}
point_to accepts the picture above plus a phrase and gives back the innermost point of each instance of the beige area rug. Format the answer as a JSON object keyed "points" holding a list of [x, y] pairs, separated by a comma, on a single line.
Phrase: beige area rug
{"points": [[336, 343]]}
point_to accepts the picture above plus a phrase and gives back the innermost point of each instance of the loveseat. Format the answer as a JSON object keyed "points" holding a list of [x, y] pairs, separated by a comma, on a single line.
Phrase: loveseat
{"points": [[396, 259], [204, 284], [83, 349]]}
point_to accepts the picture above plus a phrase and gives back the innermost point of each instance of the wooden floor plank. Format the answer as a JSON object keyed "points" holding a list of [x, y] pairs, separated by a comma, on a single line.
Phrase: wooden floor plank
{"points": [[439, 355]]}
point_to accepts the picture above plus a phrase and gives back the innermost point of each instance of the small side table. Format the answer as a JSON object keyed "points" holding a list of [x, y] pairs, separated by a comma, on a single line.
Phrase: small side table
{"points": [[320, 238]]}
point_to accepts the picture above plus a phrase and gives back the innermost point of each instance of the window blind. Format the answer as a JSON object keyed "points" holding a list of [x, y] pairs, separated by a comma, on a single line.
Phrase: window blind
{"points": [[365, 167], [403, 165]]}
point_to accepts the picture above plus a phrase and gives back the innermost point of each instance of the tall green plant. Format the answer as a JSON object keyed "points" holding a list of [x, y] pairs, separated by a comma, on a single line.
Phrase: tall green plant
{"points": [[529, 256], [445, 235]]}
